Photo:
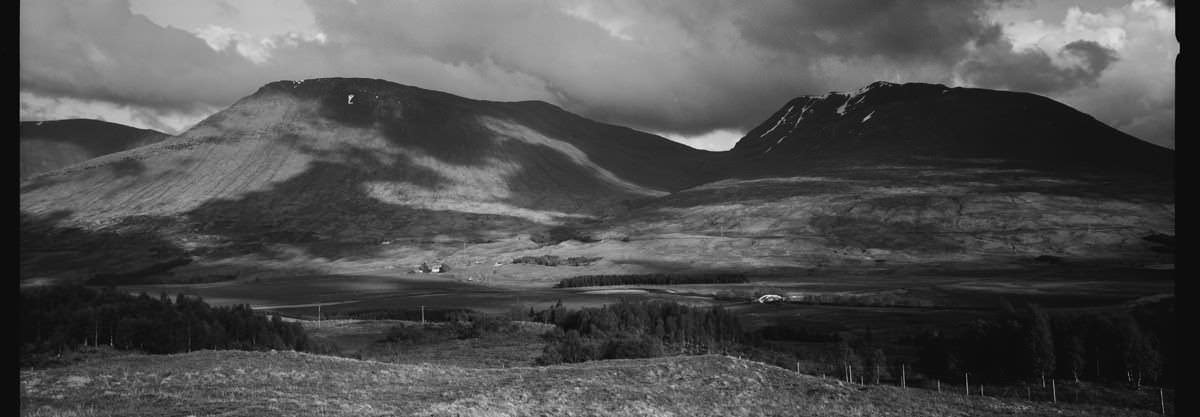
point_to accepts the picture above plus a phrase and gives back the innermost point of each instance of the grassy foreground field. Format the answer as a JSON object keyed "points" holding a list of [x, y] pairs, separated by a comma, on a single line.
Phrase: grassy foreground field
{"points": [[237, 383]]}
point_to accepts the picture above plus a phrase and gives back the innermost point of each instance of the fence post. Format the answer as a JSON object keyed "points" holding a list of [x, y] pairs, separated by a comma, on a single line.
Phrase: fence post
{"points": [[903, 377], [1053, 390], [939, 384], [967, 382], [1162, 402]]}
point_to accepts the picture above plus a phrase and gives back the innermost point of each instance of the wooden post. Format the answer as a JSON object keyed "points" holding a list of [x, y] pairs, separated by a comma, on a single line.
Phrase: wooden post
{"points": [[1053, 390], [939, 384], [797, 366], [318, 314], [1043, 380], [850, 371], [903, 377], [967, 382], [1162, 402], [980, 390], [422, 315], [1028, 394]]}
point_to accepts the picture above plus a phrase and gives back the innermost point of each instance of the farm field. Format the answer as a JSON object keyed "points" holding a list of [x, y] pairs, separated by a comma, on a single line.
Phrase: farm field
{"points": [[881, 299]]}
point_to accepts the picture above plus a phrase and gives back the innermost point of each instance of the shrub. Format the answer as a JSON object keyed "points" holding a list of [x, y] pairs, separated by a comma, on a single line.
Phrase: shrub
{"points": [[559, 234], [551, 260]]}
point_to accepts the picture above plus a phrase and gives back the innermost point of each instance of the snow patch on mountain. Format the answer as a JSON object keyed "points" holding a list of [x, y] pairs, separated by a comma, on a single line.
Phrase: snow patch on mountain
{"points": [[777, 122]]}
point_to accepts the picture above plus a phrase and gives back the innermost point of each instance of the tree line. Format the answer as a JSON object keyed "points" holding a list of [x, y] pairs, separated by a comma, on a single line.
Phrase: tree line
{"points": [[651, 279], [552, 260], [637, 330], [1135, 346], [58, 318]]}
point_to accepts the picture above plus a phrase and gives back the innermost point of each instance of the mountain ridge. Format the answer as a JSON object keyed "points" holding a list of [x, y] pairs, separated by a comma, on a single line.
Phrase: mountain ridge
{"points": [[889, 122], [48, 145]]}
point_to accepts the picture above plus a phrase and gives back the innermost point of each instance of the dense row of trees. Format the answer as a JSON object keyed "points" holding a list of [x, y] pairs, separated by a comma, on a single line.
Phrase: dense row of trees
{"points": [[1134, 346], [634, 330], [459, 325], [58, 318], [552, 260], [651, 279]]}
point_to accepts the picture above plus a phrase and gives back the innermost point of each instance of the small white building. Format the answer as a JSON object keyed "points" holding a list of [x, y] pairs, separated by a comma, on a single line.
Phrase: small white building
{"points": [[769, 298]]}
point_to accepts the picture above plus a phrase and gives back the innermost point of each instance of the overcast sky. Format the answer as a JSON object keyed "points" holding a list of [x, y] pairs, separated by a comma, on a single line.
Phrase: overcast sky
{"points": [[702, 72]]}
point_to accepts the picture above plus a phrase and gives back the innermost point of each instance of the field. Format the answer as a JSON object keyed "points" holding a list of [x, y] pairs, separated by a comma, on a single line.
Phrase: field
{"points": [[884, 299], [367, 339], [235, 383]]}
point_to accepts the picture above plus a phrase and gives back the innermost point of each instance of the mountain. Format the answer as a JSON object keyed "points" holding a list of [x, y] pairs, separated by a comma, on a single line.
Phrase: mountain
{"points": [[894, 174], [929, 123], [53, 144], [337, 161], [347, 170]]}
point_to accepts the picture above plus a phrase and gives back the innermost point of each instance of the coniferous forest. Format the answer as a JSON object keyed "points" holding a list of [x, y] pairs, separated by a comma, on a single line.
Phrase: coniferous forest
{"points": [[637, 330], [59, 318]]}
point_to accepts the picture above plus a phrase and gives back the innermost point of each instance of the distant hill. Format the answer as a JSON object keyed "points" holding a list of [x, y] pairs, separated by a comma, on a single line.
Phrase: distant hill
{"points": [[53, 144]]}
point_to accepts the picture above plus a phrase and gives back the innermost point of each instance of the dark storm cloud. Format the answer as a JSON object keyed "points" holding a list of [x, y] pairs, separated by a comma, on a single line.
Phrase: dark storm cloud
{"points": [[98, 50], [898, 30], [1096, 58], [996, 65]]}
